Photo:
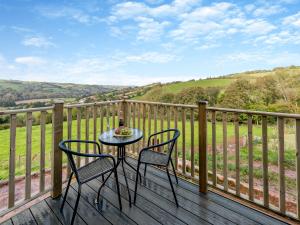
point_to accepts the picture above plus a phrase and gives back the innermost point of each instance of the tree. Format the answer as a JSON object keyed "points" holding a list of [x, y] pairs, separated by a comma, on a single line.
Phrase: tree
{"points": [[238, 95]]}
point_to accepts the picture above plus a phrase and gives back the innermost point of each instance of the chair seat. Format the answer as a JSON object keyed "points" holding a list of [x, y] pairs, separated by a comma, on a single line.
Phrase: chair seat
{"points": [[153, 157], [94, 169]]}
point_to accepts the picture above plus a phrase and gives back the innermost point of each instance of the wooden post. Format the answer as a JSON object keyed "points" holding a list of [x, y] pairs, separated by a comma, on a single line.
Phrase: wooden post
{"points": [[56, 159], [124, 110], [202, 146], [12, 158]]}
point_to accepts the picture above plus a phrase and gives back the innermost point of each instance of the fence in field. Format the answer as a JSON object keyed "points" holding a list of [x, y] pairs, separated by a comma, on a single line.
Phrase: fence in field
{"points": [[209, 150]]}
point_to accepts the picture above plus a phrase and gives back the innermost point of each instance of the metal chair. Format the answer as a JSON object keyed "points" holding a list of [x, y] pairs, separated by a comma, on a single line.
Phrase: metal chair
{"points": [[103, 163], [148, 156]]}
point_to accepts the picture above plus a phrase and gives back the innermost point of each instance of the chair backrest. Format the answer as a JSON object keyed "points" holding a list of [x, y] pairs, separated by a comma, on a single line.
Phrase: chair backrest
{"points": [[174, 134], [70, 154]]}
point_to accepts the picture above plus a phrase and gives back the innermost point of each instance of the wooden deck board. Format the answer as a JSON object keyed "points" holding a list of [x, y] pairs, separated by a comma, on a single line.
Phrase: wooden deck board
{"points": [[155, 205]]}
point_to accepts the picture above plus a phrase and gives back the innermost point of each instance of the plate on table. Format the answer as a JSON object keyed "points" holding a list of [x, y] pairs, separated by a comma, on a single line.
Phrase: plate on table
{"points": [[123, 132]]}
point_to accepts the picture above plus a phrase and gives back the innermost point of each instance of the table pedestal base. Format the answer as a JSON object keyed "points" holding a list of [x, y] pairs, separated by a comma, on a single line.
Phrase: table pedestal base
{"points": [[122, 160]]}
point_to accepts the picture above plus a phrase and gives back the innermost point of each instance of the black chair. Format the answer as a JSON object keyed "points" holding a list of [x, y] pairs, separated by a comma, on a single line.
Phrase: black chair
{"points": [[148, 156], [103, 163]]}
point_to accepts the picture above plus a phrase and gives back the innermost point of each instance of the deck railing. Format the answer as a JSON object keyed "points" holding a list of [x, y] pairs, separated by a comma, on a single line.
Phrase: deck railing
{"points": [[226, 148]]}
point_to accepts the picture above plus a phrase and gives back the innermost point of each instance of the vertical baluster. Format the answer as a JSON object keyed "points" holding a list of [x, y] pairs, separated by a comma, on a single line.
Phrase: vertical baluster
{"points": [[176, 145], [237, 153], [144, 123], [155, 121], [129, 114], [149, 120], [214, 149], [28, 155], [95, 127], [280, 122], [87, 131], [168, 120], [225, 167], [183, 140], [101, 125], [298, 165], [162, 112], [69, 122], [12, 161], [265, 160], [250, 156], [114, 124], [108, 124], [78, 134], [139, 125], [133, 124], [192, 144], [42, 149], [113, 112]]}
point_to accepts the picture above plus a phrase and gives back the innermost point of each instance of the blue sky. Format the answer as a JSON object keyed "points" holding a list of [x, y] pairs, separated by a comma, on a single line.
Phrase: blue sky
{"points": [[140, 42]]}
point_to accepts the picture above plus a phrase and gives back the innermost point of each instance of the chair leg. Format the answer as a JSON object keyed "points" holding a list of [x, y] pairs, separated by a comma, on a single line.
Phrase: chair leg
{"points": [[76, 205], [136, 182], [65, 196], [102, 177], [103, 183], [172, 187], [174, 171], [145, 170], [118, 189]]}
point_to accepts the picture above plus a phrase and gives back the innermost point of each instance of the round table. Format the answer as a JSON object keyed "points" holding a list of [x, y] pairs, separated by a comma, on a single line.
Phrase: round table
{"points": [[109, 138]]}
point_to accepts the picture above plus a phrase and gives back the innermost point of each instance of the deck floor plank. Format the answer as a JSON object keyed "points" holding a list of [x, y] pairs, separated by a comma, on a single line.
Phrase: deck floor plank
{"points": [[88, 213], [24, 218], [43, 214], [134, 213], [235, 207], [155, 205], [65, 216], [191, 199], [105, 208], [201, 213], [7, 222], [166, 205]]}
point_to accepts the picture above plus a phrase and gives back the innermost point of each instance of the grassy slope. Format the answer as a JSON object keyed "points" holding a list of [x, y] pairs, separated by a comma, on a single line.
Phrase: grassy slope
{"points": [[222, 82]]}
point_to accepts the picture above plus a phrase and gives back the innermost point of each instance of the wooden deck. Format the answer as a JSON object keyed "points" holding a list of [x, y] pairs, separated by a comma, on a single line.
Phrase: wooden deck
{"points": [[155, 205]]}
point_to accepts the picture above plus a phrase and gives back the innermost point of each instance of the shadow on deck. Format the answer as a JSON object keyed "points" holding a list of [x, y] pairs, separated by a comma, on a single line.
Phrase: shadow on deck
{"points": [[155, 205]]}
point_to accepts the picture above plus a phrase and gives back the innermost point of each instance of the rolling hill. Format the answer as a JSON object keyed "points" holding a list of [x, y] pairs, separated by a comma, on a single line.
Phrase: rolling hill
{"points": [[13, 90], [221, 82]]}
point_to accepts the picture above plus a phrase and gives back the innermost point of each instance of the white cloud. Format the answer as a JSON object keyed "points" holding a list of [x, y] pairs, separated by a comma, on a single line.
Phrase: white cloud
{"points": [[292, 20], [130, 10], [257, 27], [269, 10], [150, 29], [265, 58], [37, 41], [151, 57], [283, 37], [30, 60], [70, 13]]}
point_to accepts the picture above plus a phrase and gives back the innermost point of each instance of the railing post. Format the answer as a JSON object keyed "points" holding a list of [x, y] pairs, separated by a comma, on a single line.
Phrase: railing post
{"points": [[56, 157], [202, 123], [124, 110]]}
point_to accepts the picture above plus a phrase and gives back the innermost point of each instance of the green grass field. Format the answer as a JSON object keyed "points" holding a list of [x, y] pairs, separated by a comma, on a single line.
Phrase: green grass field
{"points": [[21, 143], [179, 86]]}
